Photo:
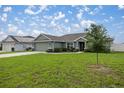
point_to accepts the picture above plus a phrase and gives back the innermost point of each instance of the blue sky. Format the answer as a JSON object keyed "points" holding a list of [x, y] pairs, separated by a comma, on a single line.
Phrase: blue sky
{"points": [[60, 19]]}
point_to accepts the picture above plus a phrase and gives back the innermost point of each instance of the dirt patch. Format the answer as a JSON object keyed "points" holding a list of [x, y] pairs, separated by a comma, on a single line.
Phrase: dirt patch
{"points": [[100, 68]]}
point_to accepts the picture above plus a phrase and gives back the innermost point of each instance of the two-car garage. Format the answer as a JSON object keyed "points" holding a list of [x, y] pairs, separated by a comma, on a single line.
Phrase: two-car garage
{"points": [[41, 46]]}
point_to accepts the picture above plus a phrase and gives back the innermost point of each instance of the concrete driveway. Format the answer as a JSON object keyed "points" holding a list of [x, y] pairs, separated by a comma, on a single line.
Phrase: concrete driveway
{"points": [[18, 54]]}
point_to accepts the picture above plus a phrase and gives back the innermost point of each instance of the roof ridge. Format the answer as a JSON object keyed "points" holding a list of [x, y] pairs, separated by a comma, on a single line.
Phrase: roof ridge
{"points": [[74, 33], [19, 36], [50, 35], [13, 38]]}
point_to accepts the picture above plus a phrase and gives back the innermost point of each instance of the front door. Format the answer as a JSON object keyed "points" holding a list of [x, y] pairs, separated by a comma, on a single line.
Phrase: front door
{"points": [[81, 46], [12, 49]]}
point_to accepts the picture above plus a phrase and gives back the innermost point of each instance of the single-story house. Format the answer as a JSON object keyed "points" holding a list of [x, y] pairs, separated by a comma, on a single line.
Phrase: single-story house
{"points": [[44, 41], [17, 43]]}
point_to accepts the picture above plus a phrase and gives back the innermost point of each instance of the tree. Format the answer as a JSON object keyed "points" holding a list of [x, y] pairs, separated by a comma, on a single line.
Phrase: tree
{"points": [[98, 40]]}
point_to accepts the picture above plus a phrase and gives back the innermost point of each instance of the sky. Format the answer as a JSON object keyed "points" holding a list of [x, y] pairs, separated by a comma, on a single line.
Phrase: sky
{"points": [[61, 19]]}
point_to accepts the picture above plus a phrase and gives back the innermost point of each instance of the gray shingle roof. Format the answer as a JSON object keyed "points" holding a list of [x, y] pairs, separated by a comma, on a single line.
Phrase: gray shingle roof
{"points": [[52, 37], [72, 37], [25, 39], [68, 37]]}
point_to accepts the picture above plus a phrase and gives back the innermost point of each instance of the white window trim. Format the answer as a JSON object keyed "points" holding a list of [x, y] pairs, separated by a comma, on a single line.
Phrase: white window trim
{"points": [[80, 38]]}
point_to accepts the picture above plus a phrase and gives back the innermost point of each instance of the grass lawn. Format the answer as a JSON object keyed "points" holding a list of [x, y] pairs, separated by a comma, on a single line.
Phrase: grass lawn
{"points": [[63, 70]]}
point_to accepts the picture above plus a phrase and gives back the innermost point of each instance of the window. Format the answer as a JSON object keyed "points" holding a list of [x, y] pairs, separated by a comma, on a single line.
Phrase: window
{"points": [[49, 45], [69, 45]]}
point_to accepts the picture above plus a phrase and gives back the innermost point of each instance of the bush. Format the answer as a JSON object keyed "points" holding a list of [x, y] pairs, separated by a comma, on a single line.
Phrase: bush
{"points": [[0, 46], [72, 50], [58, 50], [49, 50], [63, 50], [75, 50], [29, 49]]}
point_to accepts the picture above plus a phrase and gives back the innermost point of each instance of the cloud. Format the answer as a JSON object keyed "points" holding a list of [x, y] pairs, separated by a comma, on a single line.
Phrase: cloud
{"points": [[103, 13], [60, 15], [53, 23], [86, 23], [36, 32], [121, 6], [86, 8], [4, 17], [19, 20], [43, 7], [30, 10], [33, 24], [100, 7], [106, 20], [123, 17], [3, 35], [70, 12], [95, 10], [57, 28], [12, 28], [66, 20], [111, 18], [77, 26], [21, 33], [68, 29], [7, 9], [79, 15], [0, 6]]}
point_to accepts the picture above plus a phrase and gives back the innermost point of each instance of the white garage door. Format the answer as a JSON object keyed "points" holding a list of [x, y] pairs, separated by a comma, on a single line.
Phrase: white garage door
{"points": [[41, 46]]}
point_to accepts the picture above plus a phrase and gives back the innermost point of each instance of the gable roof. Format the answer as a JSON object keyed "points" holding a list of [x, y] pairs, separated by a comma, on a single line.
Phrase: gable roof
{"points": [[52, 37], [72, 37], [67, 37], [25, 39], [49, 37], [63, 38]]}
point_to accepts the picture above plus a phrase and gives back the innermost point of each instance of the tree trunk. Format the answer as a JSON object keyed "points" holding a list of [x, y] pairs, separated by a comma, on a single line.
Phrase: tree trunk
{"points": [[97, 56]]}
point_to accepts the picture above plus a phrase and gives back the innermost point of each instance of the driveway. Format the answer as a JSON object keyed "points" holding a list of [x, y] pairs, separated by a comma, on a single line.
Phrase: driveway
{"points": [[18, 54]]}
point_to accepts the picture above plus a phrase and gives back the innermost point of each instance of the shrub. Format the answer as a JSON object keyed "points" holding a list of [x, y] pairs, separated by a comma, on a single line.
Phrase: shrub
{"points": [[64, 49], [49, 50], [0, 46], [58, 50], [29, 49], [75, 50]]}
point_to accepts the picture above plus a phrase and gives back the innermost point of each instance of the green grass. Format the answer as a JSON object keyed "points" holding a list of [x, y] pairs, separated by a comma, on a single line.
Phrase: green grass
{"points": [[62, 70]]}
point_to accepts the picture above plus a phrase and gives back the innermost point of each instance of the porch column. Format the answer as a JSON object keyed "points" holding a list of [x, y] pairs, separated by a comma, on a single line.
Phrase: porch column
{"points": [[66, 45], [53, 45], [77, 46], [73, 44], [85, 44]]}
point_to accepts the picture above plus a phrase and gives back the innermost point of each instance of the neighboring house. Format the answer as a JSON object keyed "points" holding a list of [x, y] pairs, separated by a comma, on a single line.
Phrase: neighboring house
{"points": [[117, 47], [44, 41], [17, 43]]}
